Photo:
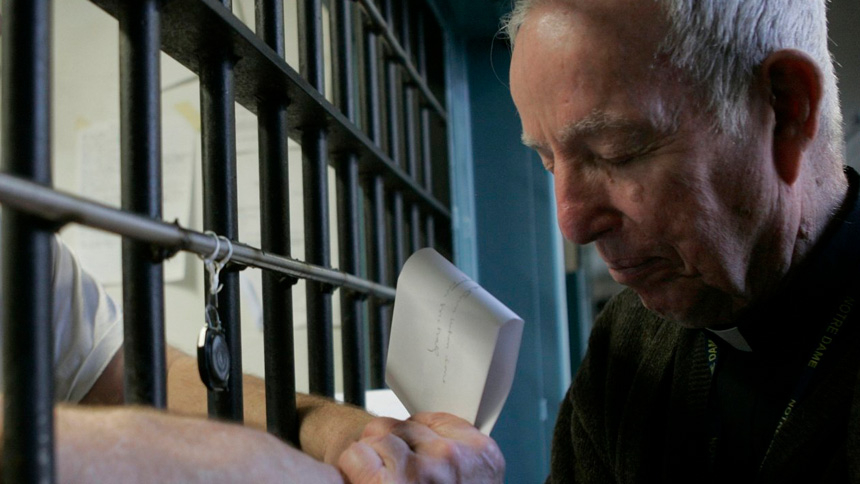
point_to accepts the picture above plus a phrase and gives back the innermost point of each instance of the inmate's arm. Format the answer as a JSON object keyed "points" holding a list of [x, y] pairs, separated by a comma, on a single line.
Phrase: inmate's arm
{"points": [[430, 447], [130, 444], [326, 427], [97, 442], [427, 447]]}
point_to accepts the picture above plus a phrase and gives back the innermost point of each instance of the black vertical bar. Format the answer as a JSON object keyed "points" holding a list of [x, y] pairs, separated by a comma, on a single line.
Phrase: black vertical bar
{"points": [[426, 150], [425, 138], [398, 232], [143, 277], [415, 226], [377, 248], [409, 102], [405, 28], [430, 228], [411, 126], [220, 212], [388, 9], [379, 310], [409, 97], [316, 210], [28, 419], [394, 115], [281, 417], [372, 120], [352, 306], [420, 43]]}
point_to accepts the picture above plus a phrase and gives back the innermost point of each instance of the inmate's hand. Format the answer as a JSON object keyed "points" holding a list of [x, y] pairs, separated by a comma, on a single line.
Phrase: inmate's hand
{"points": [[427, 448]]}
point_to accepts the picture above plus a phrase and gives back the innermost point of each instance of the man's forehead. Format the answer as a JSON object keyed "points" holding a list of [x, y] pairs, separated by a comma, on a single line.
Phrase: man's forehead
{"points": [[633, 15]]}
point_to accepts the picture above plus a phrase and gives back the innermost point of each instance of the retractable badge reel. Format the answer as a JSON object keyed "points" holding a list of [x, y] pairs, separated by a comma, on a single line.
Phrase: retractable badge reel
{"points": [[213, 354]]}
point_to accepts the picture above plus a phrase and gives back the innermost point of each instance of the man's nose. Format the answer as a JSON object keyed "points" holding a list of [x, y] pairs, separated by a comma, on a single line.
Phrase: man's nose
{"points": [[583, 200]]}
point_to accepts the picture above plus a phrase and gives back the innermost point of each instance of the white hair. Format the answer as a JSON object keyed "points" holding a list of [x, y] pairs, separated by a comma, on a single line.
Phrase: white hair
{"points": [[720, 43]]}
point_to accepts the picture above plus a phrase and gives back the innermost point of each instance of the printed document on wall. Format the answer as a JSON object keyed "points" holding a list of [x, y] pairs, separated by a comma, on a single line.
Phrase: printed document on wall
{"points": [[99, 164]]}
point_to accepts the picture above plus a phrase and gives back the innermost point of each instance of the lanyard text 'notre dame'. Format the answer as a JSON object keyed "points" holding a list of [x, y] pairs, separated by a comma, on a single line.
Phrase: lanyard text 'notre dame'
{"points": [[823, 347]]}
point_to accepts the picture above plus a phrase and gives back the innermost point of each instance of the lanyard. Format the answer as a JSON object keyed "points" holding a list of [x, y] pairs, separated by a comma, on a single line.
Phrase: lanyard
{"points": [[823, 347]]}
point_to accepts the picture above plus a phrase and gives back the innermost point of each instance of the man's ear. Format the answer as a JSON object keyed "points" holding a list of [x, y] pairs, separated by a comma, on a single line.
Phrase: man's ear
{"points": [[795, 83]]}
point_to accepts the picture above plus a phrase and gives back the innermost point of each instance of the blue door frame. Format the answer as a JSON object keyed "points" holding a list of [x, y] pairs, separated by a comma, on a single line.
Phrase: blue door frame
{"points": [[505, 232]]}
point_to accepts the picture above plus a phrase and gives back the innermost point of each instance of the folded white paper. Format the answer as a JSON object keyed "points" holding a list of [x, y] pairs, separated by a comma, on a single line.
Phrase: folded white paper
{"points": [[453, 346]]}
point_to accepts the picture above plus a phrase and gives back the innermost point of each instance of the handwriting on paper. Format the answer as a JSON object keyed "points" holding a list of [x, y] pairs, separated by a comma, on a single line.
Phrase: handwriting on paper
{"points": [[447, 318], [453, 346]]}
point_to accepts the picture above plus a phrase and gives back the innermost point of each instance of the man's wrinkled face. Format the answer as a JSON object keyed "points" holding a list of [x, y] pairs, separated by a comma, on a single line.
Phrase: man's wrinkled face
{"points": [[677, 211]]}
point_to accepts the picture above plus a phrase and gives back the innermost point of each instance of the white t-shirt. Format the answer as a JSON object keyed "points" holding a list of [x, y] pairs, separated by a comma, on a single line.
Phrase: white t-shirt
{"points": [[87, 327]]}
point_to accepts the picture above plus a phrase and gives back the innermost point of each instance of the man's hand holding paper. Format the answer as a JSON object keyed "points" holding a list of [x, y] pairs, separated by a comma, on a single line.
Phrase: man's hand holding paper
{"points": [[426, 448], [451, 361]]}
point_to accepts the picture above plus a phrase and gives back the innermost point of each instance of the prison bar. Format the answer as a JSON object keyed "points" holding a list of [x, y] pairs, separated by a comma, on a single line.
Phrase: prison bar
{"points": [[425, 135], [378, 265], [287, 105], [188, 26], [395, 114], [220, 213], [60, 208], [279, 353], [398, 231], [145, 375], [374, 187], [28, 418], [315, 182], [409, 98], [349, 215], [410, 128], [427, 169], [415, 228], [383, 25]]}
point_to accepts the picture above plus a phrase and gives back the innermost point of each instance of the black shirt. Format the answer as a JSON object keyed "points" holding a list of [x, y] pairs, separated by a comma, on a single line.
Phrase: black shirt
{"points": [[751, 391]]}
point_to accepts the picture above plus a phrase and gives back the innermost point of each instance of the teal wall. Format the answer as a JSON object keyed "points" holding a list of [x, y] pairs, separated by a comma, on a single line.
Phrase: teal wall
{"points": [[520, 261], [505, 232]]}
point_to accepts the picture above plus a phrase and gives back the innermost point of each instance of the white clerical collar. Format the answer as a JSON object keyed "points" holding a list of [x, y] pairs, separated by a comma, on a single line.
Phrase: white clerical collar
{"points": [[733, 337]]}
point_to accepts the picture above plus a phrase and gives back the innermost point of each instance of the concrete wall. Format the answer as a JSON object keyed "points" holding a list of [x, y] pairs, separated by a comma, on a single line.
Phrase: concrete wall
{"points": [[86, 116]]}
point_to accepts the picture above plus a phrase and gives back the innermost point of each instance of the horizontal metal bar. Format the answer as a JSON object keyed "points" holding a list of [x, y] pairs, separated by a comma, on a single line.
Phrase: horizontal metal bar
{"points": [[262, 76], [402, 57], [59, 207]]}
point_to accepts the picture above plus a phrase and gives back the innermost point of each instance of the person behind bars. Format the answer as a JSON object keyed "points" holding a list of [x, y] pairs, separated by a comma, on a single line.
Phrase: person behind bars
{"points": [[98, 440], [699, 145]]}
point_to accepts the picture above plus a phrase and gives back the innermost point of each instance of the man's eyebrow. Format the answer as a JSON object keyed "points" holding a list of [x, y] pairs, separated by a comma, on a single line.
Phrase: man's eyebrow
{"points": [[601, 122], [593, 123], [626, 133], [529, 142]]}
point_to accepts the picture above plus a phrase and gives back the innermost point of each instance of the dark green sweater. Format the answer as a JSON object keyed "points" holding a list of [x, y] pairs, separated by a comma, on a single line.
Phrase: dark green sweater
{"points": [[637, 411]]}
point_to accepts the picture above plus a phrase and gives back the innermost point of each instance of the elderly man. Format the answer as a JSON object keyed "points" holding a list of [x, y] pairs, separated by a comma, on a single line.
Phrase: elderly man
{"points": [[699, 145]]}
